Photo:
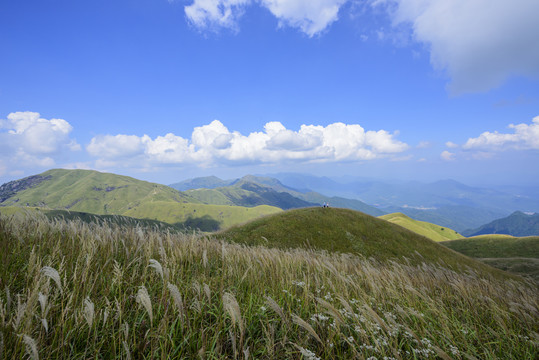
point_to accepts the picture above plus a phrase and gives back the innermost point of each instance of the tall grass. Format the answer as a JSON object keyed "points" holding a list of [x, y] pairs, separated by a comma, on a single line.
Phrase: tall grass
{"points": [[110, 292]]}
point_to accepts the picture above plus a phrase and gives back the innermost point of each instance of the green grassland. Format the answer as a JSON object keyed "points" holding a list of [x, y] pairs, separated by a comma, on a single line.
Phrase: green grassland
{"points": [[75, 290], [496, 246], [110, 194], [180, 212], [344, 231], [432, 231], [518, 255], [94, 192]]}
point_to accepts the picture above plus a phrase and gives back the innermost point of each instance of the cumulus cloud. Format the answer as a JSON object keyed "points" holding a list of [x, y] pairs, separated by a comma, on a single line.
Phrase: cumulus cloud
{"points": [[480, 43], [451, 145], [214, 144], [117, 146], [523, 137], [28, 140], [447, 156], [310, 16]]}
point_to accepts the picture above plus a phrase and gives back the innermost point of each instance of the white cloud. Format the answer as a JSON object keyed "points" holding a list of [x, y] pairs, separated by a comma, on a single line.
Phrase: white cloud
{"points": [[451, 145], [27, 140], [113, 147], [447, 156], [523, 137], [214, 144], [480, 43], [310, 16], [213, 14]]}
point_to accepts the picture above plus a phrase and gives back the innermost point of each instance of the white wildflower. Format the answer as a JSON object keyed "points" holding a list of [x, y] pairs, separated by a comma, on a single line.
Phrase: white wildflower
{"points": [[308, 354]]}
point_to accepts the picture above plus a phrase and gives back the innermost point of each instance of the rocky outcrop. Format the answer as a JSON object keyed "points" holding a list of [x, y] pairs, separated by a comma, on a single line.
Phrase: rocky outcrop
{"points": [[11, 188]]}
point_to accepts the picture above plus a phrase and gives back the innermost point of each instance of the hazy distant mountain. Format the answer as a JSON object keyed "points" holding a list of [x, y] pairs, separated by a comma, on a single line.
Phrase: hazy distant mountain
{"points": [[249, 194], [516, 224], [265, 190], [208, 182], [414, 194]]}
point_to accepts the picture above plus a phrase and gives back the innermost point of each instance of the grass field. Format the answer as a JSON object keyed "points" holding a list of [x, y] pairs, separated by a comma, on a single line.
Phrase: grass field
{"points": [[518, 255], [432, 231], [73, 290], [497, 246]]}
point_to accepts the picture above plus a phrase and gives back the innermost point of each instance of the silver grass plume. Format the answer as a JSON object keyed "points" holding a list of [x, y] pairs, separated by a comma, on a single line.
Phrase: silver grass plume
{"points": [[89, 311], [45, 324], [299, 321], [207, 291], [31, 347], [233, 309], [176, 296], [205, 258], [21, 309], [52, 274], [127, 352], [275, 307], [143, 298], [157, 266]]}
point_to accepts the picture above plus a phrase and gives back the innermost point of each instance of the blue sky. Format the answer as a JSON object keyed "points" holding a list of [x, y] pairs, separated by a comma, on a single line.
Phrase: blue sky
{"points": [[167, 90]]}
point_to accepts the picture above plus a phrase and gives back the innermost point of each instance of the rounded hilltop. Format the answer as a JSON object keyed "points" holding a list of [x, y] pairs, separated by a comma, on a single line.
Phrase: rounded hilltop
{"points": [[345, 231]]}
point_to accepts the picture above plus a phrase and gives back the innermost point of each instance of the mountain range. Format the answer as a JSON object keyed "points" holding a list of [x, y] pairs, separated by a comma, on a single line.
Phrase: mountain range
{"points": [[516, 224], [211, 203]]}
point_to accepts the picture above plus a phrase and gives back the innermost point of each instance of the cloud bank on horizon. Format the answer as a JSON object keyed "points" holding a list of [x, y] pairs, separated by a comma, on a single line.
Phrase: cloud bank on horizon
{"points": [[215, 144], [479, 44], [27, 140]]}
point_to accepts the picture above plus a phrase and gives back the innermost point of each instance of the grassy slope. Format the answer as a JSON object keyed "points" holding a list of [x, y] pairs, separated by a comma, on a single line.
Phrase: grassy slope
{"points": [[175, 212], [432, 231], [346, 231], [516, 255], [496, 246], [86, 191]]}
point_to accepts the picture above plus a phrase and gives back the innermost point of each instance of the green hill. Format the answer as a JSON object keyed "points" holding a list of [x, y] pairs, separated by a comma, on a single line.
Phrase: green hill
{"points": [[345, 231], [496, 246], [516, 224], [432, 231], [505, 252], [110, 194]]}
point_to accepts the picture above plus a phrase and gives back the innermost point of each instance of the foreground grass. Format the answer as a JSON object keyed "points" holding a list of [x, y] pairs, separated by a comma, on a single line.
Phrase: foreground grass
{"points": [[72, 290]]}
